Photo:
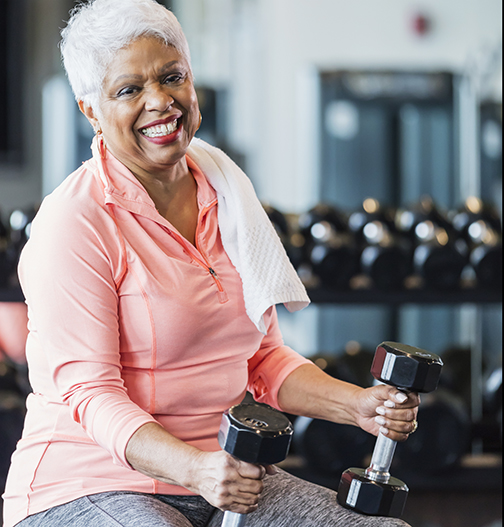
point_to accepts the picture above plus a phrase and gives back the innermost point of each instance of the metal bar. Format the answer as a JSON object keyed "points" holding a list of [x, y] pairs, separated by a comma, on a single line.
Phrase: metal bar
{"points": [[381, 460], [233, 519]]}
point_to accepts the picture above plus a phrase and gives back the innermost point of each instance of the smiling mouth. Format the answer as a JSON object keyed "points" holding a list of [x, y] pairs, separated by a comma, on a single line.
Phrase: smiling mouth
{"points": [[160, 130]]}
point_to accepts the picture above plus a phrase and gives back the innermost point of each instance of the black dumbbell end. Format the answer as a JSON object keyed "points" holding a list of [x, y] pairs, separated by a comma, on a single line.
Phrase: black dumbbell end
{"points": [[361, 494], [406, 367], [255, 434]]}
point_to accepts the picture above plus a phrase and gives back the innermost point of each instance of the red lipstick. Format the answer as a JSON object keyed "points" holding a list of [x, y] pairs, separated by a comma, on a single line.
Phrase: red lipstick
{"points": [[164, 139], [167, 120]]}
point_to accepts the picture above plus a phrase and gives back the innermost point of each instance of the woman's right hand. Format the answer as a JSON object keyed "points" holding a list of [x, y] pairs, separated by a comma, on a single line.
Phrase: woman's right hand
{"points": [[224, 481], [228, 483]]}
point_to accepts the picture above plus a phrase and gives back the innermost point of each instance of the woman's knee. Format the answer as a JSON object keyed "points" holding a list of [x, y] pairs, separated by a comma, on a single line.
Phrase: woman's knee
{"points": [[288, 501]]}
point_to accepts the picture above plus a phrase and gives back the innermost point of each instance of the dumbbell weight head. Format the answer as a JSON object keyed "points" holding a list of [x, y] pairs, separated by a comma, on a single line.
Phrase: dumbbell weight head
{"points": [[439, 254], [480, 226], [255, 433], [385, 256], [322, 212], [440, 266], [356, 491], [408, 220], [487, 263], [406, 367], [475, 211], [335, 265], [330, 246], [387, 266]]}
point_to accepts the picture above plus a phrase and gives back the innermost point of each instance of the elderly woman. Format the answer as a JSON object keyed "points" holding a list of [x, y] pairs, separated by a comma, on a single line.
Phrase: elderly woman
{"points": [[151, 277]]}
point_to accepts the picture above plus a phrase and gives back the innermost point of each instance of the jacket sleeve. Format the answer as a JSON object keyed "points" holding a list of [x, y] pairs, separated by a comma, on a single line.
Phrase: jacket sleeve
{"points": [[272, 364], [69, 270]]}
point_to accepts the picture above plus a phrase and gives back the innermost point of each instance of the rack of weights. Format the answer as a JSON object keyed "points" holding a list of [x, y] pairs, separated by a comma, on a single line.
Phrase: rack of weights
{"points": [[417, 249], [373, 248]]}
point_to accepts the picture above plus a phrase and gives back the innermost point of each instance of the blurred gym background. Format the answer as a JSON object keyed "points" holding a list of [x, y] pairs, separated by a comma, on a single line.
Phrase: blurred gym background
{"points": [[372, 132]]}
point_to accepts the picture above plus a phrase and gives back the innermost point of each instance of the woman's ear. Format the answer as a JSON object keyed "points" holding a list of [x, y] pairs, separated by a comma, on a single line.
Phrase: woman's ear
{"points": [[88, 111]]}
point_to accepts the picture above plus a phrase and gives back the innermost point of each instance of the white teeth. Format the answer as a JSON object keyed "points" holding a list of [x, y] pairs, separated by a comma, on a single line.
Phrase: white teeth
{"points": [[160, 130]]}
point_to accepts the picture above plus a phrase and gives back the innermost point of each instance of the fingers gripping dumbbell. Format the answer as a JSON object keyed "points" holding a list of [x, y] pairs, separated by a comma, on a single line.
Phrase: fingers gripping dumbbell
{"points": [[253, 433], [374, 491]]}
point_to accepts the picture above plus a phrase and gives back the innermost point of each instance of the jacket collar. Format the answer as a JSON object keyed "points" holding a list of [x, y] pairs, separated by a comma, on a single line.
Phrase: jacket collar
{"points": [[122, 188]]}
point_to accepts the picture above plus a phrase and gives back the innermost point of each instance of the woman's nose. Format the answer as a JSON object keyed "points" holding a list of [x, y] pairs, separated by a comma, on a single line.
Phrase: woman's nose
{"points": [[158, 99]]}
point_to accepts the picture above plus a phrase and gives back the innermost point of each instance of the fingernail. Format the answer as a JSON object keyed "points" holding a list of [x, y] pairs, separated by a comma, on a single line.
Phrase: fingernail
{"points": [[383, 431], [401, 397], [380, 420], [389, 404], [381, 410]]}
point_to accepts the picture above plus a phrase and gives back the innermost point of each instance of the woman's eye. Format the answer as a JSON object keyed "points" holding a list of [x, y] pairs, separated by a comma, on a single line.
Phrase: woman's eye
{"points": [[174, 79], [128, 90]]}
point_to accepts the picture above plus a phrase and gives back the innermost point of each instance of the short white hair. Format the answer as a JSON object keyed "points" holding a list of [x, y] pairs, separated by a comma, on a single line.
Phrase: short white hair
{"points": [[97, 30]]}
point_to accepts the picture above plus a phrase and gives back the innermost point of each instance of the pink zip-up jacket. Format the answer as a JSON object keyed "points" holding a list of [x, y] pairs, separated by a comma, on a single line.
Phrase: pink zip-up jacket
{"points": [[129, 323]]}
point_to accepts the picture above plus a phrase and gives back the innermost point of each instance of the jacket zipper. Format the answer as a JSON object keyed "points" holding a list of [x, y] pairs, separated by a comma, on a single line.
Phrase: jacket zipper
{"points": [[204, 263], [214, 275], [217, 280]]}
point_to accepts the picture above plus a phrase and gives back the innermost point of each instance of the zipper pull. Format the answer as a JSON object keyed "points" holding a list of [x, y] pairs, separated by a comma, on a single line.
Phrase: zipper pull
{"points": [[222, 294]]}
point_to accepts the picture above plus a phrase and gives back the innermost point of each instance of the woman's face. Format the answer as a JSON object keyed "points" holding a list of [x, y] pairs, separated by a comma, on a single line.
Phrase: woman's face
{"points": [[149, 109]]}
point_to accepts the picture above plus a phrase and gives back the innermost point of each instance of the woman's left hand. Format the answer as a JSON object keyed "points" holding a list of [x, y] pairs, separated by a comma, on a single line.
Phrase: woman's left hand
{"points": [[385, 409]]}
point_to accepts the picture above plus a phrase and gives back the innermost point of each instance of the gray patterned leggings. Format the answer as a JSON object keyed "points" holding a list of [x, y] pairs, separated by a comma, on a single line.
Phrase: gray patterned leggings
{"points": [[286, 501]]}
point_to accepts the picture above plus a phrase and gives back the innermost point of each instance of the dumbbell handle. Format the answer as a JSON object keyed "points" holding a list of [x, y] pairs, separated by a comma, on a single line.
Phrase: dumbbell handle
{"points": [[233, 519], [381, 459]]}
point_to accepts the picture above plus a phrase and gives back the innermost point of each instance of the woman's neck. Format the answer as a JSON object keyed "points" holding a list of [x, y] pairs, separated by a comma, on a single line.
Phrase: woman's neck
{"points": [[174, 193]]}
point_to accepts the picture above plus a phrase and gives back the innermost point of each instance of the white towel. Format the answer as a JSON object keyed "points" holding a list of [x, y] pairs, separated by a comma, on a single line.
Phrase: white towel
{"points": [[249, 237]]}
